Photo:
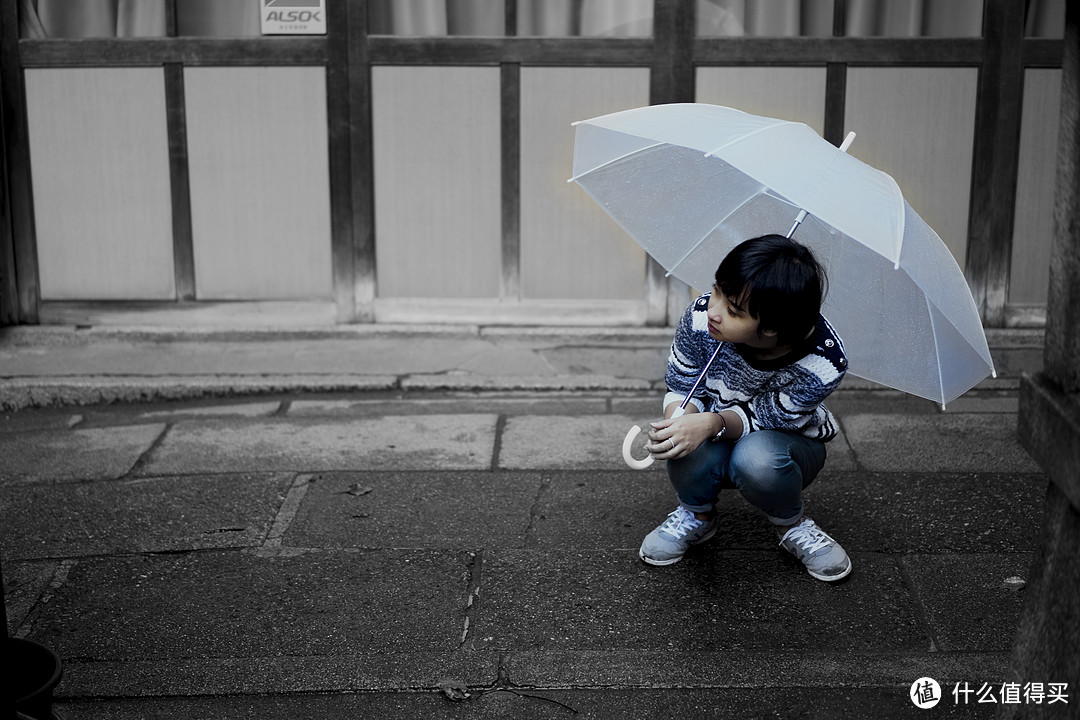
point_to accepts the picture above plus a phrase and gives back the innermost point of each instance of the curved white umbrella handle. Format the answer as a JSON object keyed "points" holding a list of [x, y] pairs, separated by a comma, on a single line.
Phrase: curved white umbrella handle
{"points": [[628, 443], [630, 460]]}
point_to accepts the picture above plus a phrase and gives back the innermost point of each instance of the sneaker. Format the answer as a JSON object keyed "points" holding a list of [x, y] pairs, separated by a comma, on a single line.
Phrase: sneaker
{"points": [[822, 556], [669, 542]]}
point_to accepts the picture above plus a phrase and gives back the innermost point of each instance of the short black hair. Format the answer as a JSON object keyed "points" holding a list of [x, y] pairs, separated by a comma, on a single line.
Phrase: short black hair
{"points": [[778, 281]]}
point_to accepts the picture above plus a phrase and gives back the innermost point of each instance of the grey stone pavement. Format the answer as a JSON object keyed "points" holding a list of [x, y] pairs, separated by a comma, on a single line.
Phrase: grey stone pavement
{"points": [[305, 524]]}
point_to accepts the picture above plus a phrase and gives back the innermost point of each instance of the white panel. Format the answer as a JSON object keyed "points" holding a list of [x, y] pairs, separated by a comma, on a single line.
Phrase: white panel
{"points": [[918, 125], [570, 248], [260, 187], [788, 93], [1033, 229], [438, 220], [100, 165]]}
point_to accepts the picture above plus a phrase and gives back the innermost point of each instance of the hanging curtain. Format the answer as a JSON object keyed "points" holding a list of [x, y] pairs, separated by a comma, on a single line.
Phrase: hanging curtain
{"points": [[29, 23], [218, 18], [617, 18], [1045, 19], [550, 18], [410, 17], [476, 17], [914, 18], [140, 18], [91, 18], [779, 18], [954, 18], [753, 18], [721, 18], [88, 18]]}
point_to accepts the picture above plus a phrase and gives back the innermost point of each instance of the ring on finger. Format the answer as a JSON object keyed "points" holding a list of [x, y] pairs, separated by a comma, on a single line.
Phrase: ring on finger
{"points": [[672, 443]]}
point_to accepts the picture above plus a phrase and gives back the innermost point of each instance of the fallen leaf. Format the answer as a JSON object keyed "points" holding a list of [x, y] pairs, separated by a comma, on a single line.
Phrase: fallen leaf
{"points": [[356, 490], [455, 690]]}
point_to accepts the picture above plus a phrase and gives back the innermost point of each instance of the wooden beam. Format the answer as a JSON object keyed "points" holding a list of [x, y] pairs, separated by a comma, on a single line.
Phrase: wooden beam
{"points": [[339, 142], [9, 289], [510, 149], [451, 50], [180, 187], [126, 52], [758, 51], [13, 105], [671, 80], [999, 103], [361, 163], [1039, 52], [836, 82], [1063, 308]]}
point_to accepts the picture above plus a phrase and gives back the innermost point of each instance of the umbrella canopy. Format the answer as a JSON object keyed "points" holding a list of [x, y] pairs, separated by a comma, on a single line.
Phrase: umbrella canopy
{"points": [[691, 181]]}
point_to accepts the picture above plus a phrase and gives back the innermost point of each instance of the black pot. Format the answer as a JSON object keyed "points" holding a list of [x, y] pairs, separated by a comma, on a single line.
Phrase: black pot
{"points": [[31, 673]]}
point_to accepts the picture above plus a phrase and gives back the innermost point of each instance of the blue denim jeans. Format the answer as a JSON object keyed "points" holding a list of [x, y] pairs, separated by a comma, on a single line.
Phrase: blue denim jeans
{"points": [[769, 467]]}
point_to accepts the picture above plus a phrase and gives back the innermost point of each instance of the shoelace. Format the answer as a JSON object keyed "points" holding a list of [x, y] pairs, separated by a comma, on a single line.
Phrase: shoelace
{"points": [[808, 536], [680, 521]]}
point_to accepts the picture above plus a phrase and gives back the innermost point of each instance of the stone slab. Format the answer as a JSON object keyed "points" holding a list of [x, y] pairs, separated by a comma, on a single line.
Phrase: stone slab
{"points": [[225, 356], [865, 512], [968, 605], [250, 409], [39, 419], [593, 442], [886, 703], [623, 506], [946, 442], [1005, 404], [760, 669], [20, 393], [146, 515], [474, 511], [584, 359], [75, 454], [548, 403], [24, 583], [929, 513], [428, 442], [244, 605], [568, 599], [454, 382], [567, 442], [279, 675]]}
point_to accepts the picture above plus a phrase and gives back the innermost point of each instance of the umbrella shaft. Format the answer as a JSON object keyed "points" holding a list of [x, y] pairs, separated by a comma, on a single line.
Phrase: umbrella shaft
{"points": [[700, 378], [798, 221]]}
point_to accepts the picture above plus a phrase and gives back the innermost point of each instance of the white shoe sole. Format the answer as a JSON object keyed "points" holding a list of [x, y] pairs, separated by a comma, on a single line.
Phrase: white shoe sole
{"points": [[672, 561], [830, 578]]}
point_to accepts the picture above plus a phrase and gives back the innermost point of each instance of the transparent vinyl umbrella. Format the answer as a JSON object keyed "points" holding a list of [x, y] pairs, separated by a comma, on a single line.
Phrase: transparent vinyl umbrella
{"points": [[691, 181]]}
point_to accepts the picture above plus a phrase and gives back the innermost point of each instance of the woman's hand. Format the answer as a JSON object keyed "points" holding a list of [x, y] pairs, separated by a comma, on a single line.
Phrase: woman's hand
{"points": [[673, 438]]}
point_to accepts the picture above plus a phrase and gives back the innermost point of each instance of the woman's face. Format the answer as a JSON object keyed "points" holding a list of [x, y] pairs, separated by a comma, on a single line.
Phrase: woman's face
{"points": [[730, 323]]}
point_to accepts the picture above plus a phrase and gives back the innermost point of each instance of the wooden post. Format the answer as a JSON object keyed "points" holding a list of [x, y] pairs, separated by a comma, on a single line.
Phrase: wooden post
{"points": [[671, 80], [1045, 649]]}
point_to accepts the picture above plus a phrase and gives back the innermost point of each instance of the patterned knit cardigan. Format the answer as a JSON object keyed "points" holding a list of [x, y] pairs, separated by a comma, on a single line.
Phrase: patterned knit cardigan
{"points": [[785, 394]]}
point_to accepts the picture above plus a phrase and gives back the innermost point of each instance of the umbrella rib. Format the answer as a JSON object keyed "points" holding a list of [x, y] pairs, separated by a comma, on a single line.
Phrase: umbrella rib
{"points": [[742, 138], [614, 160], [937, 350], [723, 220]]}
